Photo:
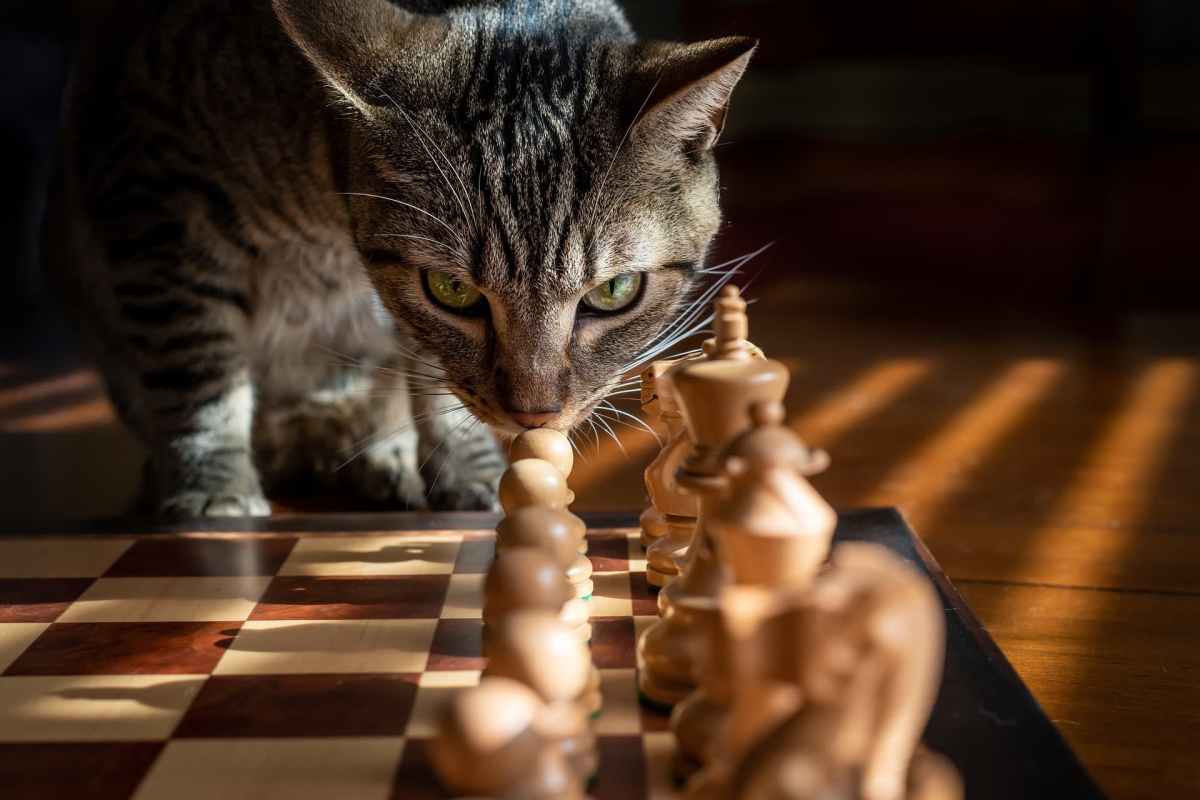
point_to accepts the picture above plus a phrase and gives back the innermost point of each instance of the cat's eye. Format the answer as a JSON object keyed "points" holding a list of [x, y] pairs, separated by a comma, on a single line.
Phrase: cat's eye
{"points": [[452, 292], [615, 294]]}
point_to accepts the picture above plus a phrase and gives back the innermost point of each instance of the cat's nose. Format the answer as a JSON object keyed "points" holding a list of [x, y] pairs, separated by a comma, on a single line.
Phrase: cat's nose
{"points": [[535, 419]]}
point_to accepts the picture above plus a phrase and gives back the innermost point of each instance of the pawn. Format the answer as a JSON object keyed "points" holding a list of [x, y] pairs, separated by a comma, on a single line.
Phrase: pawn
{"points": [[528, 579], [537, 482], [540, 651], [532, 482], [490, 744], [547, 445], [555, 532]]}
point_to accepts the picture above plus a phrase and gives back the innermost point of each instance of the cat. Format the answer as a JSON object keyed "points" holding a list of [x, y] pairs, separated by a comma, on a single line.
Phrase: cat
{"points": [[351, 241]]}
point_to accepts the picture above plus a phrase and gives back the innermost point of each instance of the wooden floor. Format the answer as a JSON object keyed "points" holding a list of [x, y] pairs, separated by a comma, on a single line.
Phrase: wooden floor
{"points": [[1052, 465]]}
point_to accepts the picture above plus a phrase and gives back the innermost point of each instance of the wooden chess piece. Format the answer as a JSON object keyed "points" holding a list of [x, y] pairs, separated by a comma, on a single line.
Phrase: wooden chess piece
{"points": [[675, 508], [868, 652], [529, 579], [489, 744], [752, 673], [715, 397], [555, 531], [718, 397], [532, 482], [668, 503], [548, 445], [538, 650], [773, 528], [538, 482]]}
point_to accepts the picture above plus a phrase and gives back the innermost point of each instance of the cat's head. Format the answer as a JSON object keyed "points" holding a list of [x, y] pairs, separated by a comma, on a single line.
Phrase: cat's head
{"points": [[534, 192]]}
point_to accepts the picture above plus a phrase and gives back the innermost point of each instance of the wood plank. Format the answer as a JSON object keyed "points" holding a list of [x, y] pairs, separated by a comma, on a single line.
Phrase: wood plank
{"points": [[1119, 672]]}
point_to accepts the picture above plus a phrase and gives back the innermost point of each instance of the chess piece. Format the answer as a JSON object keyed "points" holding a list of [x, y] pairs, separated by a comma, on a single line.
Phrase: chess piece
{"points": [[538, 650], [868, 649], [752, 673], [490, 743], [554, 531], [774, 532], [672, 513], [773, 528], [538, 482], [528, 579], [715, 396], [665, 496], [548, 445], [532, 482]]}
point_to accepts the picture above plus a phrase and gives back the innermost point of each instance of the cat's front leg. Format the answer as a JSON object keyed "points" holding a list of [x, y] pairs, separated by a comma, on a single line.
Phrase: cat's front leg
{"points": [[461, 461], [200, 462]]}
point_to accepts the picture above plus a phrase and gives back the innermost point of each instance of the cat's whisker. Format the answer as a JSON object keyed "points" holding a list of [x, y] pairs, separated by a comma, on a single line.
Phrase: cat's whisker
{"points": [[571, 438], [412, 354], [701, 329], [595, 433], [637, 424], [454, 433], [413, 376], [612, 163], [422, 136], [377, 439], [462, 242], [603, 420], [697, 306], [700, 304], [452, 250]]}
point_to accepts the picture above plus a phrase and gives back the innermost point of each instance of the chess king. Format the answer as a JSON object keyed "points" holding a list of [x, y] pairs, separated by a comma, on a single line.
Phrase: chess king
{"points": [[716, 395]]}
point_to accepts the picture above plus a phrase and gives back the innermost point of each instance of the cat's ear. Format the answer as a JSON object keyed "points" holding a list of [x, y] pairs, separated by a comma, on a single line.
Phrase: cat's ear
{"points": [[681, 92], [353, 43]]}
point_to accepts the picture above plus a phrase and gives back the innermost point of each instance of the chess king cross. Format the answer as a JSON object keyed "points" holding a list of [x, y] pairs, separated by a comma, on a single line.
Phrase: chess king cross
{"points": [[793, 671]]}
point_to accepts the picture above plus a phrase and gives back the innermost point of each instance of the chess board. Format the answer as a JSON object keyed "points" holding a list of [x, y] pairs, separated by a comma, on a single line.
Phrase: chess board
{"points": [[308, 659]]}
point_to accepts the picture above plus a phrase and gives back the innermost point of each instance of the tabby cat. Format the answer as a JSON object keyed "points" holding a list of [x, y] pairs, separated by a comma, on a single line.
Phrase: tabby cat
{"points": [[351, 240]]}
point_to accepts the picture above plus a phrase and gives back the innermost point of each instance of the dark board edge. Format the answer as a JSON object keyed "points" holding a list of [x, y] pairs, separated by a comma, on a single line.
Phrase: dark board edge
{"points": [[997, 661], [287, 523]]}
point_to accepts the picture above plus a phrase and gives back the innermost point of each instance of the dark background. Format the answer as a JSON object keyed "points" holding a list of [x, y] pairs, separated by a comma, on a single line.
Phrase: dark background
{"points": [[993, 151]]}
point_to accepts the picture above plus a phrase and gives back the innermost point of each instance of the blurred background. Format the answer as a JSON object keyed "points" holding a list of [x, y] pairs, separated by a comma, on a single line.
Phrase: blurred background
{"points": [[984, 279]]}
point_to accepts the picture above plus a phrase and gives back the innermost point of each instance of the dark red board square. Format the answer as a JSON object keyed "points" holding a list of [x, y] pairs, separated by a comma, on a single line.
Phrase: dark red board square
{"points": [[96, 771], [645, 601], [475, 556], [203, 557], [614, 643], [301, 705], [38, 599], [367, 597], [126, 648], [622, 773], [609, 552], [457, 645], [415, 778]]}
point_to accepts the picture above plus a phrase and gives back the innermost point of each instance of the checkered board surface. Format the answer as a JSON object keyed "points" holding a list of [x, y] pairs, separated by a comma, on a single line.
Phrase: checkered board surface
{"points": [[274, 665]]}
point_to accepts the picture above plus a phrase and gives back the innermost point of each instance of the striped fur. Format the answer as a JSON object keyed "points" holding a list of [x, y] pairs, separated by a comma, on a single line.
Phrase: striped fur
{"points": [[251, 191]]}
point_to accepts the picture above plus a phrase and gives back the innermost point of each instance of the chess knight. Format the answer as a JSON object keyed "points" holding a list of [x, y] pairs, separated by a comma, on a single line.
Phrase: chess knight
{"points": [[832, 687]]}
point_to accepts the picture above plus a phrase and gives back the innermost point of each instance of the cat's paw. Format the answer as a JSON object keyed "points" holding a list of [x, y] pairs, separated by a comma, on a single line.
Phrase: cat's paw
{"points": [[466, 496], [197, 504], [382, 477]]}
